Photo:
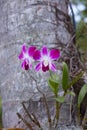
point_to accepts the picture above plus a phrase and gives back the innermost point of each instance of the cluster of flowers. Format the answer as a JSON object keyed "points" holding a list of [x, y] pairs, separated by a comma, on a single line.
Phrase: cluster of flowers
{"points": [[44, 56]]}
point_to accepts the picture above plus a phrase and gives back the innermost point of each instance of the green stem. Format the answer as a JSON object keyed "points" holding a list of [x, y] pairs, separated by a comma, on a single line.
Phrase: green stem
{"points": [[50, 73], [78, 115], [57, 108]]}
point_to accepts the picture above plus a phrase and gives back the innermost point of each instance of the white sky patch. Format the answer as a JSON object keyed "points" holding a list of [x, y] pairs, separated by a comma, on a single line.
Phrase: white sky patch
{"points": [[77, 9], [81, 7], [85, 20]]}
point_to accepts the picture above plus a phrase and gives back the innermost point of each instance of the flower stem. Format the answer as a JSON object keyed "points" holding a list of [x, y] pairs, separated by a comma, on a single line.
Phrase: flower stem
{"points": [[78, 116], [50, 74], [57, 108]]}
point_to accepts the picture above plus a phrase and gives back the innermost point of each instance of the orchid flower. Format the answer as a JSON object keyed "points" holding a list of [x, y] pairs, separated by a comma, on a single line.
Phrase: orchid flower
{"points": [[26, 56], [46, 58]]}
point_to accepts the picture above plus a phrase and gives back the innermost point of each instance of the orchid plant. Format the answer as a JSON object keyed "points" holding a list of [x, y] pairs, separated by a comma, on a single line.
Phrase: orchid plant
{"points": [[46, 62]]}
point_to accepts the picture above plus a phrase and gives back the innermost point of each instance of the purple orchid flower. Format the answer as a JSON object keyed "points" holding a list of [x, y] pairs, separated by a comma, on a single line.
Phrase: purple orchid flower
{"points": [[26, 56], [46, 58]]}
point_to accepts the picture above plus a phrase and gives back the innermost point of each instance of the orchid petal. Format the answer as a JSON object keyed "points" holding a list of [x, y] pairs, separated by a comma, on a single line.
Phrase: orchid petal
{"points": [[54, 54], [31, 50], [37, 55], [21, 56], [44, 50], [24, 48], [22, 65], [38, 67], [53, 67]]}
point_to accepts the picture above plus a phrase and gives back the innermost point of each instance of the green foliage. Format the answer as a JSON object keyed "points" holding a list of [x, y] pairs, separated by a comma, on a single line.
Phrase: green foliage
{"points": [[82, 94], [55, 77], [65, 77], [60, 99], [70, 93], [53, 83], [81, 34], [81, 30], [81, 40], [84, 12], [66, 84]]}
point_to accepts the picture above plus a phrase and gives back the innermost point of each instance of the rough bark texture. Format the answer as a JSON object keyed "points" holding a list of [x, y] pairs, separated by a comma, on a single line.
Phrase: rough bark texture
{"points": [[37, 23]]}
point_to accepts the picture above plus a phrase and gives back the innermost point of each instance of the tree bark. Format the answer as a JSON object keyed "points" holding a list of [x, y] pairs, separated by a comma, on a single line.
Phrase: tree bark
{"points": [[44, 22]]}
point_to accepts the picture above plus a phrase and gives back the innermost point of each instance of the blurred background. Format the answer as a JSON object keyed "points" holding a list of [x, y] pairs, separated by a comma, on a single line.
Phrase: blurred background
{"points": [[80, 11]]}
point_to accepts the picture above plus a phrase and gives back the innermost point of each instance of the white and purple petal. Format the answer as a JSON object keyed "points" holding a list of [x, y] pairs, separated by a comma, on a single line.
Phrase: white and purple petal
{"points": [[37, 55], [38, 67], [23, 51], [24, 48], [54, 54], [31, 50], [44, 51], [21, 56], [52, 67]]}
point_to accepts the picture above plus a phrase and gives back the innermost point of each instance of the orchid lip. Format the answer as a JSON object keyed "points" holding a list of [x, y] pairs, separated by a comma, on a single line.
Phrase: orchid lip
{"points": [[46, 63]]}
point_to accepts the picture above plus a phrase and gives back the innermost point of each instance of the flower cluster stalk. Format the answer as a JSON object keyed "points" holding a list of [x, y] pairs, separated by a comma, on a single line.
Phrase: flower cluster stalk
{"points": [[57, 108]]}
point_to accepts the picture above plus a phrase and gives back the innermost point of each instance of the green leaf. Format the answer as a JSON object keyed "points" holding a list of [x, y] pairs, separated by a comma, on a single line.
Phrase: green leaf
{"points": [[82, 94], [71, 93], [84, 12], [53, 85], [60, 99], [65, 77], [75, 80], [56, 78]]}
